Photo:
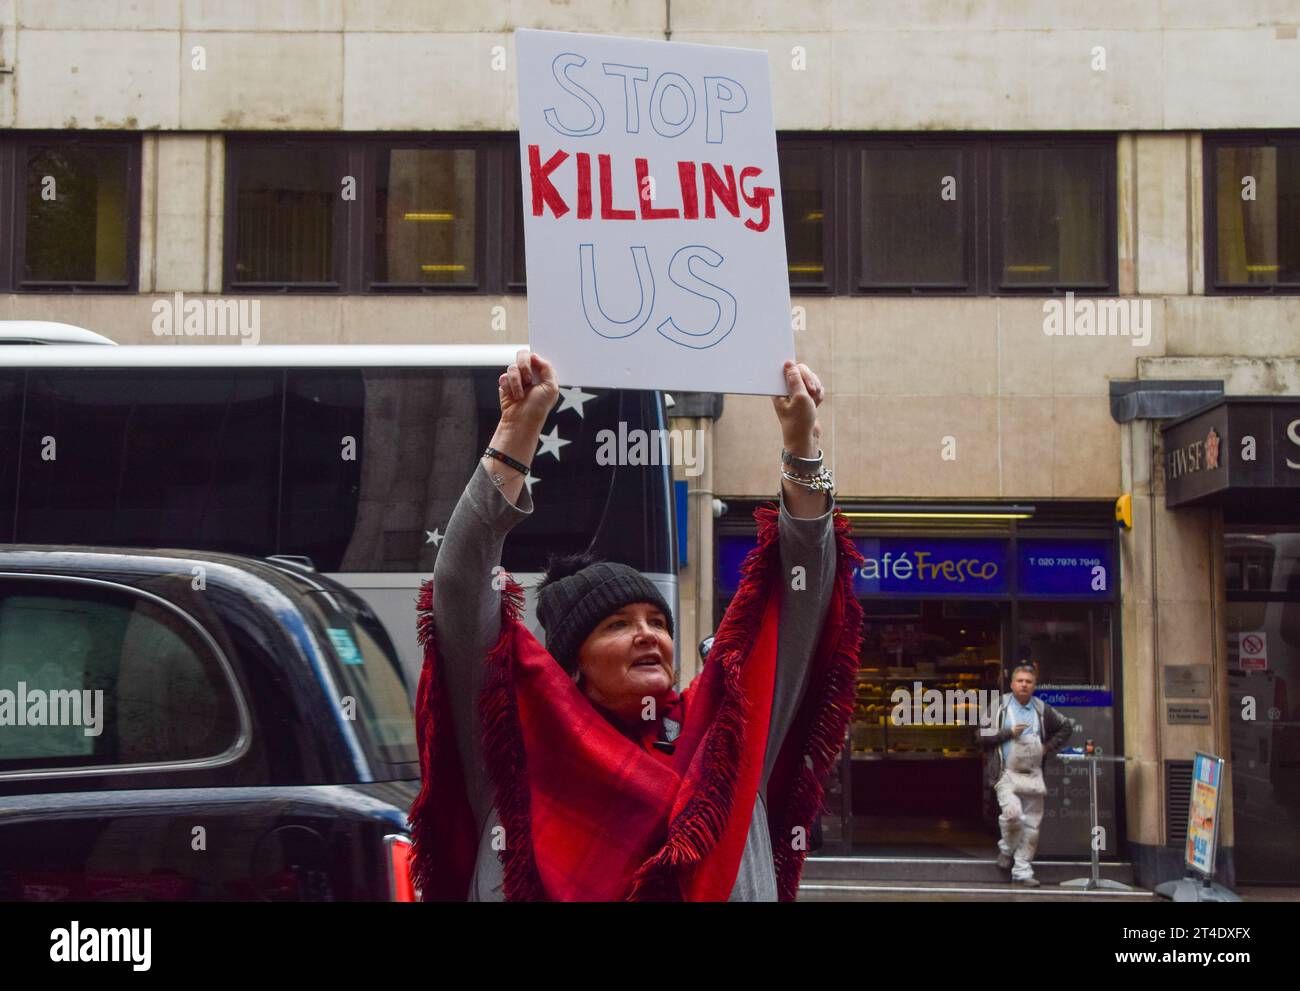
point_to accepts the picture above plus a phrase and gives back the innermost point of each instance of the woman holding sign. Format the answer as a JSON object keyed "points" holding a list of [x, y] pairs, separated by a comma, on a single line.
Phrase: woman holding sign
{"points": [[573, 771]]}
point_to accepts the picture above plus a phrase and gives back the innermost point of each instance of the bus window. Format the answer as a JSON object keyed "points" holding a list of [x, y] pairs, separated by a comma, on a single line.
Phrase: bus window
{"points": [[146, 458], [11, 407], [376, 460]]}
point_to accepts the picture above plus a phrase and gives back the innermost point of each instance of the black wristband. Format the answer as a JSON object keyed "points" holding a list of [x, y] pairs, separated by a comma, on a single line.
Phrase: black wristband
{"points": [[492, 452]]}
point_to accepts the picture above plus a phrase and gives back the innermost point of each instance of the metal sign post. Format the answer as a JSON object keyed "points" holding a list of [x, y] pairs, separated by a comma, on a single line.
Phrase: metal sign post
{"points": [[1095, 881]]}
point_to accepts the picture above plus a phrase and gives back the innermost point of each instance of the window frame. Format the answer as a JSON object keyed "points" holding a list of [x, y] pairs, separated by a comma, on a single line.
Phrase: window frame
{"points": [[243, 741], [355, 256], [513, 181], [450, 142], [851, 164], [1210, 144], [825, 146], [343, 220], [13, 210], [995, 223], [984, 222]]}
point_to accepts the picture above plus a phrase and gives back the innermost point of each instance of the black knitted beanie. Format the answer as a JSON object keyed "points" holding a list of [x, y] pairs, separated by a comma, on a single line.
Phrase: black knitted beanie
{"points": [[578, 591]]}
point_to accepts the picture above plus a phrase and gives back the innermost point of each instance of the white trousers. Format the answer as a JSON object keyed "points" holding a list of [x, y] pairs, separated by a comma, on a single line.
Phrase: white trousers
{"points": [[1021, 816]]}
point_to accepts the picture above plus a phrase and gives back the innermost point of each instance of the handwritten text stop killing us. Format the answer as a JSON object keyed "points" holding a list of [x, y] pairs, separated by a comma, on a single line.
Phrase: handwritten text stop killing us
{"points": [[598, 185]]}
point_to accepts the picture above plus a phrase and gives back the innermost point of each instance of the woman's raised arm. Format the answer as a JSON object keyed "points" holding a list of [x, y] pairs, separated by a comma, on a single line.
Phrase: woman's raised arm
{"points": [[527, 390], [466, 589]]}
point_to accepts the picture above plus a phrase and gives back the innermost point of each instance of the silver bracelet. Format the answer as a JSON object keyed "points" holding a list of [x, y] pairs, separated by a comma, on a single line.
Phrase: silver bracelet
{"points": [[811, 464], [823, 481]]}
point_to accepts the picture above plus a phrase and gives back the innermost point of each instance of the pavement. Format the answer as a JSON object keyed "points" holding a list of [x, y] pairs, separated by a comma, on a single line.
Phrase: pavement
{"points": [[948, 891]]}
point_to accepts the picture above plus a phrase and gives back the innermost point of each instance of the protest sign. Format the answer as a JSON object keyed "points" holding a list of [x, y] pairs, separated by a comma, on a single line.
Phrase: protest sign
{"points": [[652, 214]]}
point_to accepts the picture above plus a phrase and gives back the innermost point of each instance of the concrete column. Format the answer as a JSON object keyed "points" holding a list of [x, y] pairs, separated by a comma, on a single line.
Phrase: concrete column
{"points": [[696, 582], [1172, 614], [1126, 207], [1164, 246], [1144, 774]]}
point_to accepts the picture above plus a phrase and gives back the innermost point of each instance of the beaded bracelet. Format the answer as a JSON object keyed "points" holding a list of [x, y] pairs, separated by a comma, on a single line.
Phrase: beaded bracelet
{"points": [[492, 452]]}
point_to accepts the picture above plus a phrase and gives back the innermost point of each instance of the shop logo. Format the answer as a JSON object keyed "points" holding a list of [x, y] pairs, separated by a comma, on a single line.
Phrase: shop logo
{"points": [[904, 568], [1197, 456], [1211, 450]]}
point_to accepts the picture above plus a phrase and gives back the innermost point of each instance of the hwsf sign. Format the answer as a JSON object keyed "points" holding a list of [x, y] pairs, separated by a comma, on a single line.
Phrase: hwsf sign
{"points": [[1238, 448]]}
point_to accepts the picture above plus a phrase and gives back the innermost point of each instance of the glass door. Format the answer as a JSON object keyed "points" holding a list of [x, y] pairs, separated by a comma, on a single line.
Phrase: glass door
{"points": [[1263, 633]]}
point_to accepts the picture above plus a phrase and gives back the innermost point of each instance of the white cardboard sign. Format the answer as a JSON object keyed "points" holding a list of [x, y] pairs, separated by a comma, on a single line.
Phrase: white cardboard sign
{"points": [[652, 214]]}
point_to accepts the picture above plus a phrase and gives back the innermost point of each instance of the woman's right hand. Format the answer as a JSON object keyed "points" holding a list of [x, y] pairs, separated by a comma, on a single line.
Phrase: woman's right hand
{"points": [[527, 390]]}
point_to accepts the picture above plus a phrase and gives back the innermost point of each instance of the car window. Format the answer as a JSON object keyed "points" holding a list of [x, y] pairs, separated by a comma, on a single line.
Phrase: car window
{"points": [[92, 676], [365, 665]]}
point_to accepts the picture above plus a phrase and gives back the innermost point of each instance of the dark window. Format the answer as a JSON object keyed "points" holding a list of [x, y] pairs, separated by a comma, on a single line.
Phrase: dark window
{"points": [[365, 667], [130, 683], [805, 188], [1253, 214], [186, 459], [76, 213], [426, 219], [376, 213], [915, 203], [1069, 641], [1053, 216], [286, 205], [419, 434], [324, 447], [11, 418], [518, 270], [978, 215]]}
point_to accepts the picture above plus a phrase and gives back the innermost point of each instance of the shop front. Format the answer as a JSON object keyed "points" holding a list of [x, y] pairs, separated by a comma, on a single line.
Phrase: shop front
{"points": [[1242, 456], [954, 597]]}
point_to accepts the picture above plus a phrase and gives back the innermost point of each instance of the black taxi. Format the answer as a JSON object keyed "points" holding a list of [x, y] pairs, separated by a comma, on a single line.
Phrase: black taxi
{"points": [[184, 726]]}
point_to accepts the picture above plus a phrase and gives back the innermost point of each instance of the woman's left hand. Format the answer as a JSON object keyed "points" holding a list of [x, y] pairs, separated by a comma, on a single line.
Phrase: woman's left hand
{"points": [[797, 412]]}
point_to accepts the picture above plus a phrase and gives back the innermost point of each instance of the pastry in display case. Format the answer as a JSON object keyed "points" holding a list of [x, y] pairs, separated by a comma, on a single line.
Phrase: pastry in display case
{"points": [[902, 665]]}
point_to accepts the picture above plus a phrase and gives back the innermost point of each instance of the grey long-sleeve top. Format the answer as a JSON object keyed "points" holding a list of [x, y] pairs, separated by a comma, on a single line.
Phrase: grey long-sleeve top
{"points": [[467, 622]]}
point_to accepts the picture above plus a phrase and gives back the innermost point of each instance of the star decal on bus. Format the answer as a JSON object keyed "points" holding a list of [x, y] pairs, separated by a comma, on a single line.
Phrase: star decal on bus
{"points": [[572, 397], [434, 537], [551, 443]]}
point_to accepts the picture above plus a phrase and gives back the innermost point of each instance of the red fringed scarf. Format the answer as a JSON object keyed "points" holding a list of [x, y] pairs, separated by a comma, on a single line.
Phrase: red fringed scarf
{"points": [[590, 815]]}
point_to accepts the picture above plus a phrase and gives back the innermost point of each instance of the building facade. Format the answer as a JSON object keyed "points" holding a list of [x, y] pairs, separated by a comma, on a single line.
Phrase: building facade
{"points": [[1028, 247]]}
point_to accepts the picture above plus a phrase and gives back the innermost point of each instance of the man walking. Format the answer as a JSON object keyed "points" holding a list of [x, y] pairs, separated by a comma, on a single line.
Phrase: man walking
{"points": [[1014, 768]]}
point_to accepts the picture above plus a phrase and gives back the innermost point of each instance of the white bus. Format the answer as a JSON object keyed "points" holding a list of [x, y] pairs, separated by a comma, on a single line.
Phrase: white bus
{"points": [[351, 457]]}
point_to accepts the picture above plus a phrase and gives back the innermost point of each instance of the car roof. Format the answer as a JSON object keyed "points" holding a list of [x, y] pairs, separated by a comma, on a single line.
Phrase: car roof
{"points": [[149, 562], [48, 332]]}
